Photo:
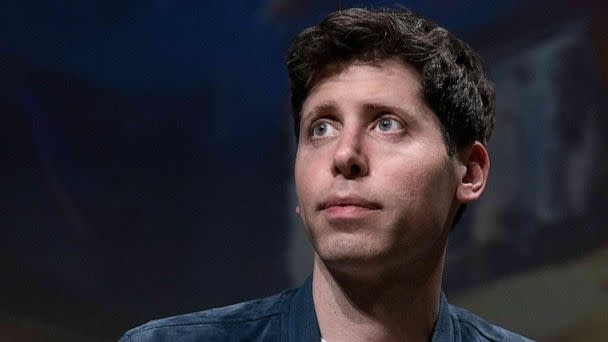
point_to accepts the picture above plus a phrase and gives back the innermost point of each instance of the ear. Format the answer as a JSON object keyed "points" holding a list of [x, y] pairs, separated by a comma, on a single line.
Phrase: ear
{"points": [[473, 172]]}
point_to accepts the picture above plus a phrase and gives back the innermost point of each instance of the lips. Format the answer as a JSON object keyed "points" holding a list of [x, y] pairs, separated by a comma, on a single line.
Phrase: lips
{"points": [[348, 201], [345, 211]]}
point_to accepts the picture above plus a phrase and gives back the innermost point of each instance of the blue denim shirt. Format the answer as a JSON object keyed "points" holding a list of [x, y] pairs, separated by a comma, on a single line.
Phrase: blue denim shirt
{"points": [[290, 316]]}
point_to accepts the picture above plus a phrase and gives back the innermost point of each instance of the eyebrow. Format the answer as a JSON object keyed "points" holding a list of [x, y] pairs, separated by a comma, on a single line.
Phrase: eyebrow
{"points": [[372, 106], [320, 108]]}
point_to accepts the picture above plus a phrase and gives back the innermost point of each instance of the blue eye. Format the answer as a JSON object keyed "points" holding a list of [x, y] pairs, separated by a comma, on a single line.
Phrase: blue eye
{"points": [[322, 129], [388, 125]]}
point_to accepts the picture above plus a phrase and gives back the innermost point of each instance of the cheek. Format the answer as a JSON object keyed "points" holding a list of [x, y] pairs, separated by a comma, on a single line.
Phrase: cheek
{"points": [[306, 181], [300, 181], [420, 188], [313, 165]]}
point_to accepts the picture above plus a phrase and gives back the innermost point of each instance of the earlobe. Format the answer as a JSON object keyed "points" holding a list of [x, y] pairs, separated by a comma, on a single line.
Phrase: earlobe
{"points": [[477, 168], [298, 209]]}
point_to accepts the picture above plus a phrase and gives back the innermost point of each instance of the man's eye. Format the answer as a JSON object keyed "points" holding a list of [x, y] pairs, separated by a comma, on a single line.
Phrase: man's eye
{"points": [[388, 125], [322, 129]]}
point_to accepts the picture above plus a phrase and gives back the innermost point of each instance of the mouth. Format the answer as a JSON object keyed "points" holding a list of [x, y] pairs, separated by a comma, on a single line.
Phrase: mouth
{"points": [[348, 202], [339, 208]]}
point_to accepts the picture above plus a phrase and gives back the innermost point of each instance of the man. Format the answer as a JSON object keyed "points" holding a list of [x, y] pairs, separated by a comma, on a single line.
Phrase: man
{"points": [[391, 115]]}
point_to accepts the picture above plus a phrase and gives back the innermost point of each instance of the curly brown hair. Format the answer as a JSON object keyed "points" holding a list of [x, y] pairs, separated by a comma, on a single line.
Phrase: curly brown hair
{"points": [[454, 85]]}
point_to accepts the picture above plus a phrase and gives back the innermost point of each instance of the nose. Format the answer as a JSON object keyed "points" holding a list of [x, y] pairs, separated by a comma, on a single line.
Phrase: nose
{"points": [[349, 158]]}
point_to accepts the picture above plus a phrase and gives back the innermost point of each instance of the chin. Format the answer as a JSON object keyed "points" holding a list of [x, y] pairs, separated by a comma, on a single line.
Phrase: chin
{"points": [[351, 253]]}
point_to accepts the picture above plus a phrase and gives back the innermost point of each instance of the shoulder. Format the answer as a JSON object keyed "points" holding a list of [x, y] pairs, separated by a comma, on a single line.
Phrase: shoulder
{"points": [[248, 320], [475, 328]]}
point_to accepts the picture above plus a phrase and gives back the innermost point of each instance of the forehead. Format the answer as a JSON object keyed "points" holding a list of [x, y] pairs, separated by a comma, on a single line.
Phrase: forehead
{"points": [[388, 82]]}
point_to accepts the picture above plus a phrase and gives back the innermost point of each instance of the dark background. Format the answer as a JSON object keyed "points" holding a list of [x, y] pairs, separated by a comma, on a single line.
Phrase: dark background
{"points": [[147, 154]]}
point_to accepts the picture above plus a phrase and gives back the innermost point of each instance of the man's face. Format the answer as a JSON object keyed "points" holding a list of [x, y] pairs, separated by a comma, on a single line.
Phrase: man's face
{"points": [[374, 182]]}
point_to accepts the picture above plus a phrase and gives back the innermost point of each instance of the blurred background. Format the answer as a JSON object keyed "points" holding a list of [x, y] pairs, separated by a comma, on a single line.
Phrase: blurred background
{"points": [[147, 151]]}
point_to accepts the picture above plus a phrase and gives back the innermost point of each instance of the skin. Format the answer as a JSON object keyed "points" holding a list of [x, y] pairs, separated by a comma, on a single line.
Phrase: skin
{"points": [[377, 193]]}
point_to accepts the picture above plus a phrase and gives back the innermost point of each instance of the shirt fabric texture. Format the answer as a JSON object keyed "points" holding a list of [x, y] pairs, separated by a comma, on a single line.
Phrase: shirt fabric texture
{"points": [[290, 316]]}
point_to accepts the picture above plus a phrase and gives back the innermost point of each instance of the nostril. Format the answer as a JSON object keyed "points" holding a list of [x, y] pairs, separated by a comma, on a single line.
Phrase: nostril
{"points": [[355, 169]]}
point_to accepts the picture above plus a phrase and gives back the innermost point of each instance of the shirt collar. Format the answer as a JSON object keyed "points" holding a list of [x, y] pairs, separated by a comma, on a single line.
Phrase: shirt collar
{"points": [[302, 324], [444, 327]]}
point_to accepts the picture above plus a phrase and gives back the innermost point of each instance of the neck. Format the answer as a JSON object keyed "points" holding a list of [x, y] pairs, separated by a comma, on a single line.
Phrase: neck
{"points": [[401, 304]]}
